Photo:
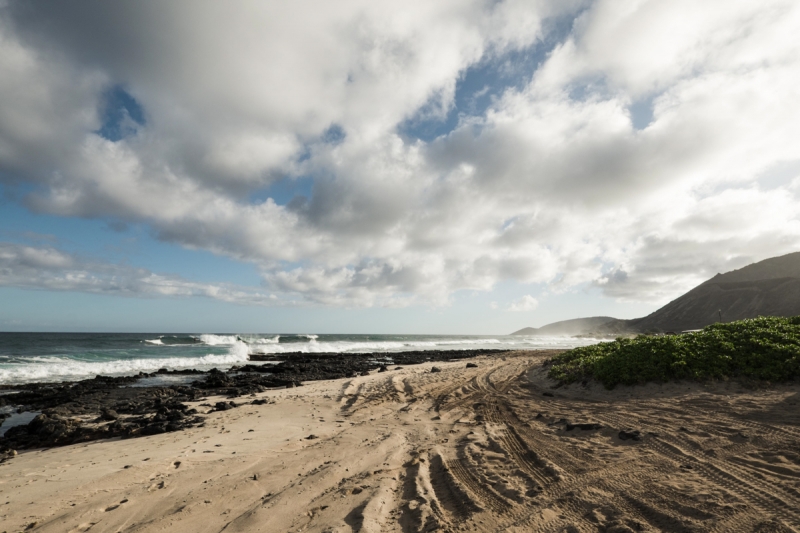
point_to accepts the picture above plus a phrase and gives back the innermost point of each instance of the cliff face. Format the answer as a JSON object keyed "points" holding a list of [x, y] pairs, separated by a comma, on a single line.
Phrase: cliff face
{"points": [[767, 288]]}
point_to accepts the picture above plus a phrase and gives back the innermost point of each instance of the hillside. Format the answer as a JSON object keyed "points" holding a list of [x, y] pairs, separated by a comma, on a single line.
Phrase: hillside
{"points": [[785, 266], [577, 326], [768, 288]]}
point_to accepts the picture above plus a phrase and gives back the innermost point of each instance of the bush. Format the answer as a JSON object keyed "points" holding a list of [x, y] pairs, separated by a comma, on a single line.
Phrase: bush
{"points": [[764, 348]]}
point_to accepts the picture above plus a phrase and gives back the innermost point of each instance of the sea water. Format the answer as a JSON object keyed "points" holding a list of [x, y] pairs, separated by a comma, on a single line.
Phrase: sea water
{"points": [[42, 357]]}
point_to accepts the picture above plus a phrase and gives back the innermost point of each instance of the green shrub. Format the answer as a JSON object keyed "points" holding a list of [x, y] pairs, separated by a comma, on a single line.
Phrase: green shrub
{"points": [[764, 348]]}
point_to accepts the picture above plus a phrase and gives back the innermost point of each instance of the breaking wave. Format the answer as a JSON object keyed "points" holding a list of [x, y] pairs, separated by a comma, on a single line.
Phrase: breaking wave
{"points": [[53, 368]]}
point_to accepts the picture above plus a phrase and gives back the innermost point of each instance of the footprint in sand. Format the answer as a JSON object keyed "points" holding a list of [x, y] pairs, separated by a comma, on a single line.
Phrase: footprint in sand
{"points": [[86, 526], [156, 486]]}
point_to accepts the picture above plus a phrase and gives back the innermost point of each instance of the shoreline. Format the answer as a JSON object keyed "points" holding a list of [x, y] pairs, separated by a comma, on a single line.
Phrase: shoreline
{"points": [[53, 357], [72, 412], [490, 447], [482, 448]]}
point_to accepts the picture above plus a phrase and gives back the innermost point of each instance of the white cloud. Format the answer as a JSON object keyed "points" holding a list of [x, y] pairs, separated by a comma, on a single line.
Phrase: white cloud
{"points": [[552, 184], [526, 303], [36, 267]]}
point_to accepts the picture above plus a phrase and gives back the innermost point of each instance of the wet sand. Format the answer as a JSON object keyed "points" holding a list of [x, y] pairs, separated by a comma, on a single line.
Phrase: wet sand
{"points": [[490, 448]]}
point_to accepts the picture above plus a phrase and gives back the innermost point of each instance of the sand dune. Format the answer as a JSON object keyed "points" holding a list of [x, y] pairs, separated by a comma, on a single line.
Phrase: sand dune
{"points": [[491, 448]]}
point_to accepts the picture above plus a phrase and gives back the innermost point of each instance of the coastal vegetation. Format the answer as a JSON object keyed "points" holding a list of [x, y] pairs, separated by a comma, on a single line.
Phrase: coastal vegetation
{"points": [[764, 348]]}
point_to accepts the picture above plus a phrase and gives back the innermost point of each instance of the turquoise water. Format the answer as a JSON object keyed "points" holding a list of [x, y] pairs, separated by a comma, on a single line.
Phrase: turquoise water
{"points": [[36, 357]]}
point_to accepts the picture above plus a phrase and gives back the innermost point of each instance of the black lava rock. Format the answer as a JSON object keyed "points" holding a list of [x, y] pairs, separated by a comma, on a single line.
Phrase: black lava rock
{"points": [[630, 435], [585, 426], [108, 415], [119, 410], [224, 406]]}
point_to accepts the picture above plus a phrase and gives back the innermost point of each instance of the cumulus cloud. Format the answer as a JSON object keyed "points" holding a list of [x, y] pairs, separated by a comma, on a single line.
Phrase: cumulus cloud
{"points": [[526, 303], [711, 235], [37, 267], [634, 158]]}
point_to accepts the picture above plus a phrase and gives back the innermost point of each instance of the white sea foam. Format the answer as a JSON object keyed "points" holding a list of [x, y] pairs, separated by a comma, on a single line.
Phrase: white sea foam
{"points": [[460, 342], [155, 341], [521, 343], [274, 340], [216, 340], [60, 369], [325, 347]]}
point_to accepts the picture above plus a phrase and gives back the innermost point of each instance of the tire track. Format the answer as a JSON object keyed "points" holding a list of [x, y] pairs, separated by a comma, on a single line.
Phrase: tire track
{"points": [[488, 497], [769, 498], [736, 483]]}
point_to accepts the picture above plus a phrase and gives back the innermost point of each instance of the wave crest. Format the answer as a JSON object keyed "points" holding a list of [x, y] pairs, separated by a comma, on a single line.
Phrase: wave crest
{"points": [[216, 340], [60, 369]]}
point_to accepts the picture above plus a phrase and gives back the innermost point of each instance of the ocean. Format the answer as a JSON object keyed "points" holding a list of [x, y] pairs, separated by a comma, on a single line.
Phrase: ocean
{"points": [[44, 357]]}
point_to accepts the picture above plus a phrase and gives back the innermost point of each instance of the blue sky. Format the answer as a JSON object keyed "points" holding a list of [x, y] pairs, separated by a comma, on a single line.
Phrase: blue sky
{"points": [[464, 167], [46, 310]]}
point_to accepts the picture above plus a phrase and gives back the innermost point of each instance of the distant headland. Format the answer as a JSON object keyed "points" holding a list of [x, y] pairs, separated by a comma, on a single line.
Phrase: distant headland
{"points": [[768, 288]]}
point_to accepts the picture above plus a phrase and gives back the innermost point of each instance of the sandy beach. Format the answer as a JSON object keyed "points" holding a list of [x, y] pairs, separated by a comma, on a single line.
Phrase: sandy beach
{"points": [[488, 448]]}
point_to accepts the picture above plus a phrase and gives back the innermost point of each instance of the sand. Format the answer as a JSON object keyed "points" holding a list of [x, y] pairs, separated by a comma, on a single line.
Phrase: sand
{"points": [[464, 449]]}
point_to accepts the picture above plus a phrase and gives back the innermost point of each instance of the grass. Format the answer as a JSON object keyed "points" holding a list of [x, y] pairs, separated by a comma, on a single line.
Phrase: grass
{"points": [[764, 348]]}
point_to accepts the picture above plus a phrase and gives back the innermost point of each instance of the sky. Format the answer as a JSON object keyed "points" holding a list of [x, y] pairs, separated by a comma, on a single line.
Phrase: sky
{"points": [[369, 166]]}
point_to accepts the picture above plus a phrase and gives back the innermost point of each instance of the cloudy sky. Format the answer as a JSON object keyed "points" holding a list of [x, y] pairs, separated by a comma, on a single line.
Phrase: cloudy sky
{"points": [[458, 166]]}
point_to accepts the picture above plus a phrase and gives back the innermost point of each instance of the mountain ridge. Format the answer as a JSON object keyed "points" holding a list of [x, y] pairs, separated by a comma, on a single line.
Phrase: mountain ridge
{"points": [[574, 326], [766, 288]]}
